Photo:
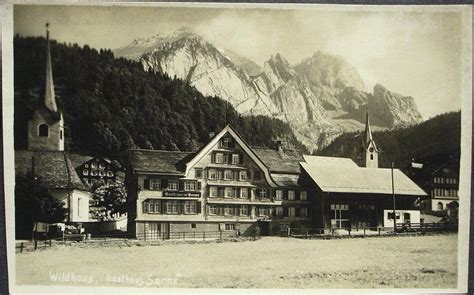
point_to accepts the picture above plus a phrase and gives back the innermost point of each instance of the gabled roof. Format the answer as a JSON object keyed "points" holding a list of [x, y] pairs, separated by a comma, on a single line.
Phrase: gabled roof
{"points": [[53, 167], [350, 179], [286, 180], [434, 163], [285, 161], [240, 141], [154, 161], [77, 159], [330, 161]]}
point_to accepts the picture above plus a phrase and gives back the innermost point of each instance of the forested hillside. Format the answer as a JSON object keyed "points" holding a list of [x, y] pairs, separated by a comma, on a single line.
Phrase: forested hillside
{"points": [[112, 104], [439, 135]]}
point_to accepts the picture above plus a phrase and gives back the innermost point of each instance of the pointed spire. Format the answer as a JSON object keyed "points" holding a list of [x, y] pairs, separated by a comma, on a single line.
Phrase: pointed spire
{"points": [[49, 95], [368, 132]]}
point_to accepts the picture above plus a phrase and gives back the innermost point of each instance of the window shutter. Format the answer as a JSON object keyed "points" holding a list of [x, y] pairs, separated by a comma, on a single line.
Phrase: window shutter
{"points": [[297, 195], [181, 208], [198, 207], [146, 184], [229, 159], [213, 158], [181, 185], [297, 212], [163, 207], [164, 183], [285, 211], [241, 158], [145, 205], [199, 185]]}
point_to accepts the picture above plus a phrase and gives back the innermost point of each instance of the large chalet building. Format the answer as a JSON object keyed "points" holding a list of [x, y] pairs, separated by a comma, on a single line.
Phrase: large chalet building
{"points": [[438, 176], [225, 186], [228, 185]]}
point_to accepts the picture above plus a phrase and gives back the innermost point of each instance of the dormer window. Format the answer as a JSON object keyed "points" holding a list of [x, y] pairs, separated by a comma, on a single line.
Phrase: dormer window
{"points": [[43, 130], [226, 142]]}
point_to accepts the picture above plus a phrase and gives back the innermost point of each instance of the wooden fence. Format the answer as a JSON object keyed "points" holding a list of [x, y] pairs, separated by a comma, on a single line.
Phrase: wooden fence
{"points": [[32, 245], [417, 228]]}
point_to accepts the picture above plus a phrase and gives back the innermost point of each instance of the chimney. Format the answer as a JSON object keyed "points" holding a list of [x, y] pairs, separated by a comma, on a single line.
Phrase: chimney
{"points": [[280, 144]]}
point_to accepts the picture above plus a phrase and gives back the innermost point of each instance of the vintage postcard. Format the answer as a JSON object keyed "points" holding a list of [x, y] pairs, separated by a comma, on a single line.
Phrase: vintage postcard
{"points": [[176, 146]]}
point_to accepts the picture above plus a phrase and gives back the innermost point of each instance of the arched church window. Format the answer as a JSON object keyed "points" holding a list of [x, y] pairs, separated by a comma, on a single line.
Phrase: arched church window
{"points": [[371, 156], [60, 134], [43, 130]]}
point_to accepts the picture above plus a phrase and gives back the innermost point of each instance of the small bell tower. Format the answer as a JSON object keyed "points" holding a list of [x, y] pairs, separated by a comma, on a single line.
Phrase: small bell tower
{"points": [[46, 127], [370, 155]]}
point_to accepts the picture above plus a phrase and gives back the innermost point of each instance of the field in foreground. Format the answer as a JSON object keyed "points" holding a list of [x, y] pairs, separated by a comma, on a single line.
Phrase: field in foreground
{"points": [[272, 262]]}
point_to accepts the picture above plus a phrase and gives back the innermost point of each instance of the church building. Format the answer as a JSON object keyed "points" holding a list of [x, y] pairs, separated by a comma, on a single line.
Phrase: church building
{"points": [[45, 156], [347, 195]]}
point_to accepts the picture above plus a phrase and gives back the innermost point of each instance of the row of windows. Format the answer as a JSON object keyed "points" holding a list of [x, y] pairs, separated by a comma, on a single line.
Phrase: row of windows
{"points": [[444, 180], [222, 192], [243, 210], [227, 174], [96, 166], [85, 172], [171, 185], [445, 192], [227, 158], [244, 193], [170, 207]]}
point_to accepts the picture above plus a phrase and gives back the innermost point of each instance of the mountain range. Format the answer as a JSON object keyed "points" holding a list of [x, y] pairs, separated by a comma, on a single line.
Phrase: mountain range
{"points": [[321, 97]]}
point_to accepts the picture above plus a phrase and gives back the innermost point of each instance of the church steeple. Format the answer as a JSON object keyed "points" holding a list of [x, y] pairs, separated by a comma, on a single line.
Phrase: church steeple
{"points": [[46, 127], [49, 95], [370, 154]]}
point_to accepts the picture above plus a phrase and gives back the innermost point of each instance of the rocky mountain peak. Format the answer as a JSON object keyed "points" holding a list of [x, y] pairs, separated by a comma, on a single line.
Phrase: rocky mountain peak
{"points": [[321, 97], [330, 70], [278, 66]]}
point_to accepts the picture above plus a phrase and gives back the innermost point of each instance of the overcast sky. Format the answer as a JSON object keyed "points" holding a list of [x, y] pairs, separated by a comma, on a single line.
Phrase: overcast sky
{"points": [[412, 53]]}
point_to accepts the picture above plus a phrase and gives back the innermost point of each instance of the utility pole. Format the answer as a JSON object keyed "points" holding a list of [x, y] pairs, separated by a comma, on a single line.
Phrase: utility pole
{"points": [[393, 198]]}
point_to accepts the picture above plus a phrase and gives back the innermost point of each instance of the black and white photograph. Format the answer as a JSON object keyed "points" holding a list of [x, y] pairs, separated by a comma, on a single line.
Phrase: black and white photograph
{"points": [[176, 146]]}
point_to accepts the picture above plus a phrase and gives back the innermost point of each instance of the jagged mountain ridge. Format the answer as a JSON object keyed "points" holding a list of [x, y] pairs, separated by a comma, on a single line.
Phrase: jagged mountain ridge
{"points": [[321, 97]]}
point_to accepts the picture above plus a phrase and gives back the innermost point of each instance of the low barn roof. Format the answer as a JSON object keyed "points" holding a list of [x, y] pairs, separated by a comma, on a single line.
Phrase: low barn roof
{"points": [[159, 161], [350, 179], [280, 161], [330, 161], [287, 180], [53, 167]]}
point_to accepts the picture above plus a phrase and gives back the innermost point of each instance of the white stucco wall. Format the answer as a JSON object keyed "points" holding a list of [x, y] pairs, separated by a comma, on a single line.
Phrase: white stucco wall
{"points": [[79, 206], [414, 217]]}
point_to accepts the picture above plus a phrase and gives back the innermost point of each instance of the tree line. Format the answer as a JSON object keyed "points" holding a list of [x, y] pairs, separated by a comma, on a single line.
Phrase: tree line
{"points": [[112, 104]]}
